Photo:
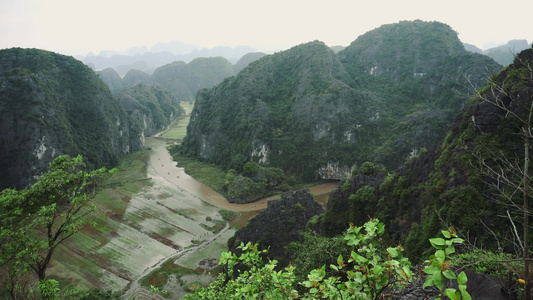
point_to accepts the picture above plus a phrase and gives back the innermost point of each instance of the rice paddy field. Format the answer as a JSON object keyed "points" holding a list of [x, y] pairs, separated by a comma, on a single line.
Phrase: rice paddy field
{"points": [[157, 228]]}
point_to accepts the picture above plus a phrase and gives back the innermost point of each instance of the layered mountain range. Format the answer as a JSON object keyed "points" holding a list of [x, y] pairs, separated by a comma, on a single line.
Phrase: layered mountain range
{"points": [[319, 114], [140, 58], [182, 79]]}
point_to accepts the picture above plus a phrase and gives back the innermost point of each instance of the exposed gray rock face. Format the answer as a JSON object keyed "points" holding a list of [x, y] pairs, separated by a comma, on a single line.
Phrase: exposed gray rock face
{"points": [[334, 171], [51, 105]]}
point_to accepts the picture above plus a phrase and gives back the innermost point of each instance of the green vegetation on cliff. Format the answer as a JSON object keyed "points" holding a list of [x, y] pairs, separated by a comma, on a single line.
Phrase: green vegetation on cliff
{"points": [[150, 109], [451, 185], [389, 94], [52, 104]]}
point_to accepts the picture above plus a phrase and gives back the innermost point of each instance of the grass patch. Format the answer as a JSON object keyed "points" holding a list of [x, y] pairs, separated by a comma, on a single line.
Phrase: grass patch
{"points": [[227, 215], [187, 212], [219, 225], [131, 168], [209, 174], [158, 278], [177, 130], [193, 287]]}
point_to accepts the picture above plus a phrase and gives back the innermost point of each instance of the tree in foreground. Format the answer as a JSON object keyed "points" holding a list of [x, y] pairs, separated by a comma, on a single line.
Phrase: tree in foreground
{"points": [[34, 222], [365, 274], [370, 272]]}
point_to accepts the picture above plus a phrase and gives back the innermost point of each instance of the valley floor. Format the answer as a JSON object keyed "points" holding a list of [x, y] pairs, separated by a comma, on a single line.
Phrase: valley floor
{"points": [[166, 231]]}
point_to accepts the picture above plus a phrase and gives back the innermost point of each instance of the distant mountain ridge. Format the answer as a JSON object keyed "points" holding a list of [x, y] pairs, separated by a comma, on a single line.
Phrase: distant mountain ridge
{"points": [[503, 54], [182, 79], [159, 55]]}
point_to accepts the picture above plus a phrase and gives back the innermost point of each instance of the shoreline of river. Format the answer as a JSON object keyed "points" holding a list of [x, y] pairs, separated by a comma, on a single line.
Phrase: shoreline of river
{"points": [[161, 164]]}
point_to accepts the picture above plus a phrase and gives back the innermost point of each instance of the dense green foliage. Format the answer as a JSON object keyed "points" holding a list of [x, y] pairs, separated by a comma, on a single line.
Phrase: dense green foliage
{"points": [[389, 94], [50, 103], [34, 222], [254, 183], [367, 271], [446, 185], [438, 266]]}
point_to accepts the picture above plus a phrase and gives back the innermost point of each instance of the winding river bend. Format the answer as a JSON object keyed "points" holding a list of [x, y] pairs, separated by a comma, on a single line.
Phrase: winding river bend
{"points": [[162, 166], [187, 192]]}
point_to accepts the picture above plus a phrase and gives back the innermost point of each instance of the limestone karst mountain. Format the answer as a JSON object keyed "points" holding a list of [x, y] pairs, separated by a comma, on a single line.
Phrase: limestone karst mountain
{"points": [[318, 114], [451, 183], [51, 105]]}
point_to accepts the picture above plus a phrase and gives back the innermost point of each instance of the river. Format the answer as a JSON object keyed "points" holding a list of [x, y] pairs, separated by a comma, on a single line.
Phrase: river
{"points": [[161, 164], [167, 176]]}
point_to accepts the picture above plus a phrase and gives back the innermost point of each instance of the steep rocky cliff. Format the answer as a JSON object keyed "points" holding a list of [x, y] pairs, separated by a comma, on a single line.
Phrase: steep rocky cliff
{"points": [[421, 75], [293, 110], [317, 114], [451, 185], [51, 105], [150, 109]]}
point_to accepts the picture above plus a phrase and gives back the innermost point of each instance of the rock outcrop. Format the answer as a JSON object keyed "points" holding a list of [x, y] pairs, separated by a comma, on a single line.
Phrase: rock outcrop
{"points": [[280, 224]]}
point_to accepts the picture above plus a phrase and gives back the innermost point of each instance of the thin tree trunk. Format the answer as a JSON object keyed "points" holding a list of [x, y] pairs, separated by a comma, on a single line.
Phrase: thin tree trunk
{"points": [[526, 210]]}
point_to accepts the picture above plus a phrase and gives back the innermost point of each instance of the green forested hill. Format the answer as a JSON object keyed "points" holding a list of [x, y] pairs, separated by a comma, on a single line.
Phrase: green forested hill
{"points": [[285, 109], [246, 60], [52, 104], [471, 181], [420, 74], [401, 50], [315, 113], [150, 109], [112, 79], [134, 77]]}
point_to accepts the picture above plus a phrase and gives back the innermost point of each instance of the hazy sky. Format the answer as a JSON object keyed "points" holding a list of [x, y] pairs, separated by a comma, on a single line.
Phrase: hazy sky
{"points": [[81, 26]]}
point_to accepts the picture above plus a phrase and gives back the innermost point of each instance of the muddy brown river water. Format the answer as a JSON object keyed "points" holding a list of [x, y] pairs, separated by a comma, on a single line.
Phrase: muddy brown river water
{"points": [[161, 164], [168, 176]]}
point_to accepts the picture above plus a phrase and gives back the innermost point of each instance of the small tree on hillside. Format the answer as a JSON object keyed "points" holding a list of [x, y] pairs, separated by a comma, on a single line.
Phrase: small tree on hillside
{"points": [[34, 222]]}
